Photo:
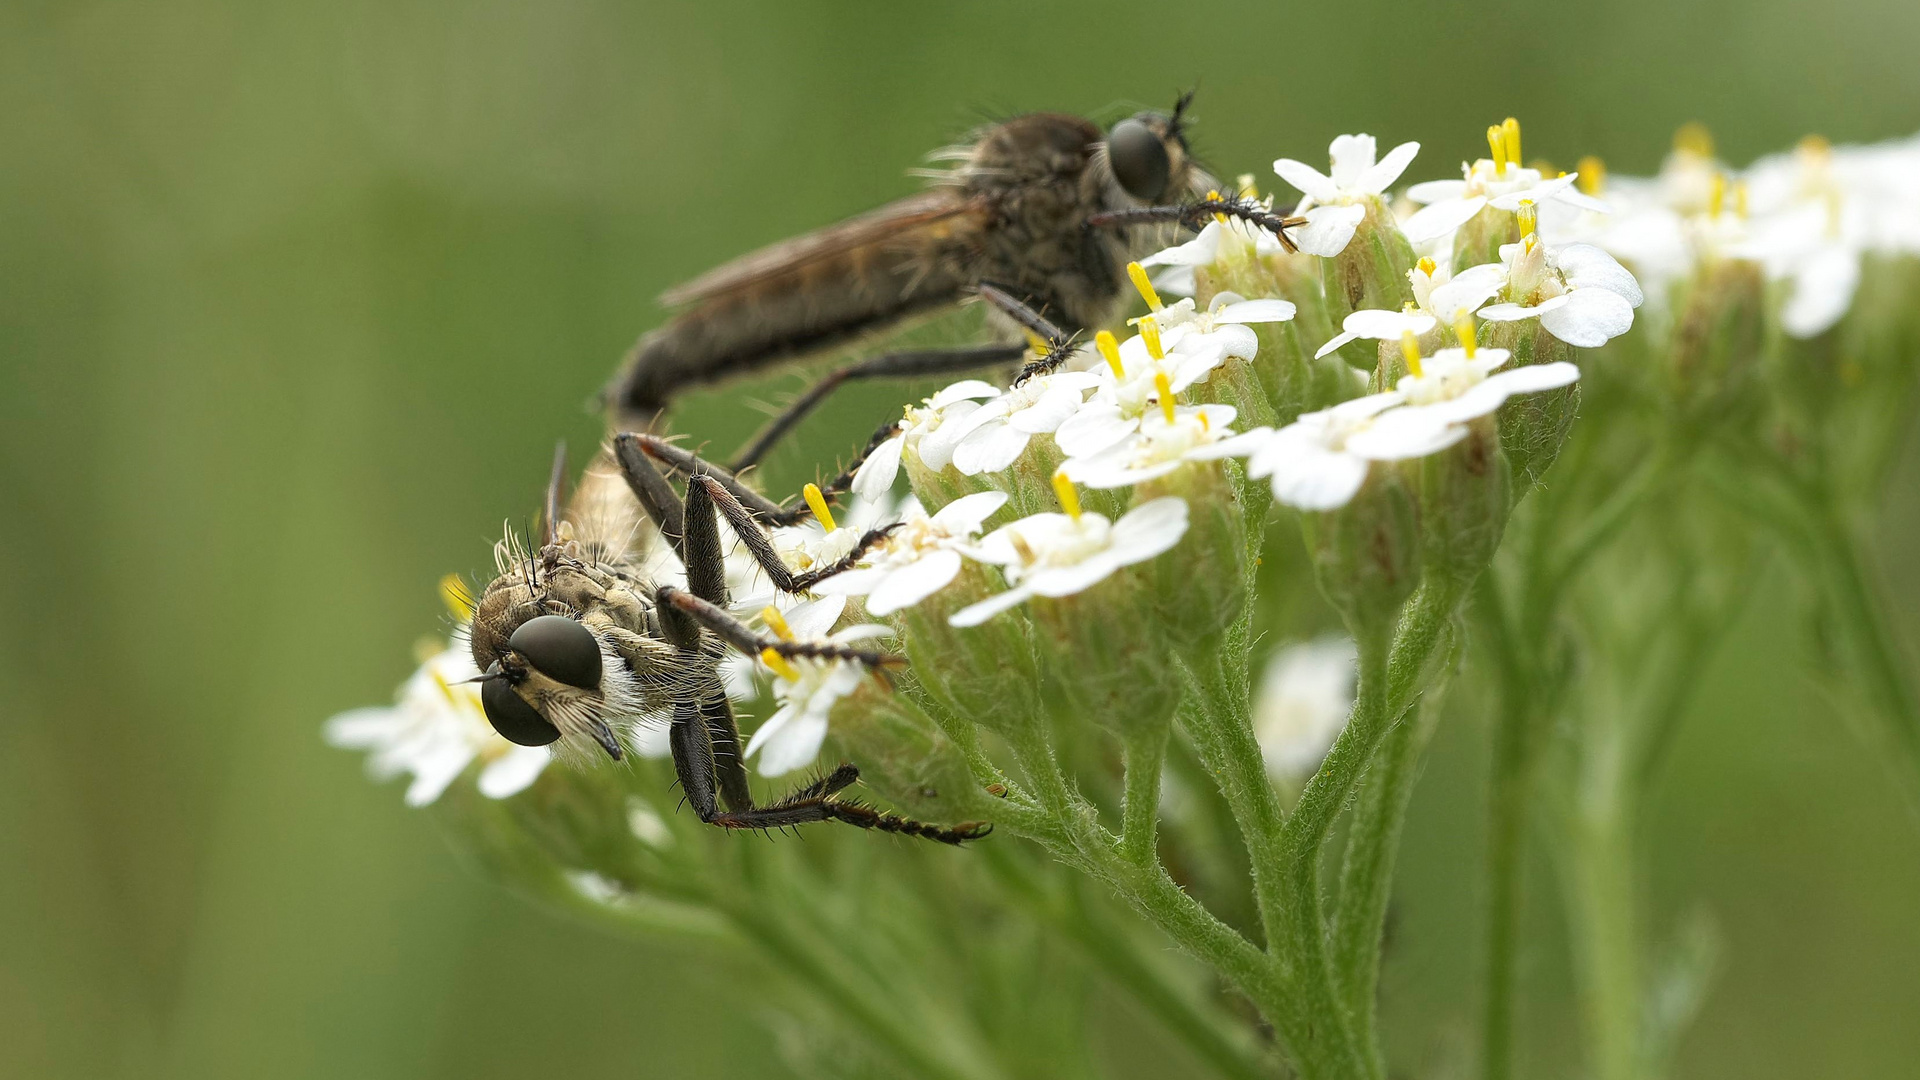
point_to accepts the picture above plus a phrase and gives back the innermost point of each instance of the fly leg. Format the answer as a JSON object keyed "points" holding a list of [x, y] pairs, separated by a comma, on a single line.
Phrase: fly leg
{"points": [[917, 363], [1194, 215]]}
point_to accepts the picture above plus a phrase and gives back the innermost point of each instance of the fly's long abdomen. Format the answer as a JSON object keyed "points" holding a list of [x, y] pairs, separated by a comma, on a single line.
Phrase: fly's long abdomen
{"points": [[815, 293]]}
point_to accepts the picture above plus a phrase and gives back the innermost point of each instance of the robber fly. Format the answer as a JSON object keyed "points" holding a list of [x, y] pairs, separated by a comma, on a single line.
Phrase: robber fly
{"points": [[1035, 217], [579, 647]]}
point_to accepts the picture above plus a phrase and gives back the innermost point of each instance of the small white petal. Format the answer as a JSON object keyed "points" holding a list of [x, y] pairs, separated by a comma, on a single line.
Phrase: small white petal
{"points": [[1255, 311], [1202, 250], [1468, 290], [1587, 267], [1384, 325], [435, 770], [1433, 191], [1823, 288], [962, 391], [1052, 410], [1059, 581], [1441, 218], [815, 618], [965, 514], [914, 582], [1380, 177], [793, 744], [1318, 479], [989, 449], [874, 478], [513, 771], [1516, 312], [975, 614], [1307, 179], [1352, 156], [1149, 529], [1537, 194], [1328, 229], [1588, 318], [1093, 429], [1401, 434], [858, 581], [1335, 342]]}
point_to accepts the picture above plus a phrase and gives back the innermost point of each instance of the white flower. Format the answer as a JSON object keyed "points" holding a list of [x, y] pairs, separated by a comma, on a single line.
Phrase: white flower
{"points": [[994, 436], [1502, 183], [434, 730], [1161, 445], [1062, 554], [1148, 367], [808, 688], [1380, 325], [1305, 697], [920, 558], [1452, 387], [920, 430], [1335, 205], [1206, 249], [1319, 461], [1224, 327], [1580, 294]]}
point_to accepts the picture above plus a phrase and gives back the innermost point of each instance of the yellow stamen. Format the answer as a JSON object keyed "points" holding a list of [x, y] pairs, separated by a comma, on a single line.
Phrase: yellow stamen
{"points": [[1165, 388], [776, 622], [779, 665], [1202, 417], [817, 503], [1037, 343], [1529, 216], [446, 690], [1815, 146], [1150, 333], [1427, 266], [1110, 348], [1740, 199], [1139, 275], [1213, 195], [1497, 142], [1410, 350], [1511, 130], [1832, 196], [1063, 490], [1462, 329], [1717, 196], [1693, 138], [453, 593], [1245, 183], [1593, 175]]}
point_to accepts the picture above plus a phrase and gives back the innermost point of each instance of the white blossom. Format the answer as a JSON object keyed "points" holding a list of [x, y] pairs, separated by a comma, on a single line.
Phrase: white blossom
{"points": [[1452, 387], [434, 730], [920, 430], [1059, 555], [1334, 205], [1580, 294], [919, 558], [1161, 445], [1379, 325], [993, 437], [807, 688], [1306, 694], [1319, 461]]}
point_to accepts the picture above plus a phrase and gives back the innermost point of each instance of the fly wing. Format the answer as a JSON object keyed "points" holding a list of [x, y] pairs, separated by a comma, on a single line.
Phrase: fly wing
{"points": [[927, 209], [808, 295]]}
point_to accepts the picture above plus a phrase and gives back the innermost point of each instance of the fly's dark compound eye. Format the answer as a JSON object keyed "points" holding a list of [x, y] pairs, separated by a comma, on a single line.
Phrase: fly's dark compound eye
{"points": [[511, 716], [561, 649], [1139, 159]]}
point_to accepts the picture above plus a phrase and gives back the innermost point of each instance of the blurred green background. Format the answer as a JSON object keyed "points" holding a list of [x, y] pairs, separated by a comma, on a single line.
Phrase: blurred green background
{"points": [[294, 299]]}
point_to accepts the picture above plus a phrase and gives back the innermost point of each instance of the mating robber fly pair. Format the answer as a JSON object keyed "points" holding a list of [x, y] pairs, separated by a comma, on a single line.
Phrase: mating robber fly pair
{"points": [[1037, 218]]}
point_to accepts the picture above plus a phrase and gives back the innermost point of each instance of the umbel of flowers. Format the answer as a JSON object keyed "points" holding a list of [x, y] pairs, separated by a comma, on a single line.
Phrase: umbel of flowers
{"points": [[1076, 582]]}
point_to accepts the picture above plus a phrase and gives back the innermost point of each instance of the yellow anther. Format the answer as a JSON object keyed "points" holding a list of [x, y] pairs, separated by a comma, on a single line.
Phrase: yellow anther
{"points": [[1427, 266], [1150, 333], [1213, 195], [1510, 130], [1063, 490], [1593, 175], [1815, 146], [1740, 199], [1110, 348], [1410, 350], [1693, 139], [817, 503], [453, 593], [1202, 417], [1497, 143], [1717, 196], [1164, 387], [1244, 182], [1139, 275], [776, 622], [1462, 329], [1832, 196], [1529, 216], [779, 665], [446, 690], [1037, 343]]}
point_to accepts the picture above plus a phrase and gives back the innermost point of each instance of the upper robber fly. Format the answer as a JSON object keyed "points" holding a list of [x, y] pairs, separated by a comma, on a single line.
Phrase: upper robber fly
{"points": [[1036, 217]]}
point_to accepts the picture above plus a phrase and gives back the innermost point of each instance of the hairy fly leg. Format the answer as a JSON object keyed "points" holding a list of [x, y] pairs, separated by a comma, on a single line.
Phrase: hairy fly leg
{"points": [[1195, 214]]}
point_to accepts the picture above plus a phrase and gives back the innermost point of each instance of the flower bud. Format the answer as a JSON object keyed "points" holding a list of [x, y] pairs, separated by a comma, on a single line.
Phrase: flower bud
{"points": [[1464, 502], [1718, 338], [1366, 554], [1533, 427], [1371, 272], [1199, 593], [903, 756], [1103, 659], [982, 674], [1480, 239]]}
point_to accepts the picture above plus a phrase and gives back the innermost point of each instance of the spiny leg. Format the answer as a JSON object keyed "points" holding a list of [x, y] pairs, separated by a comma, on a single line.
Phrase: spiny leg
{"points": [[765, 510], [1052, 343], [738, 634], [753, 536], [920, 362], [817, 802], [1194, 215]]}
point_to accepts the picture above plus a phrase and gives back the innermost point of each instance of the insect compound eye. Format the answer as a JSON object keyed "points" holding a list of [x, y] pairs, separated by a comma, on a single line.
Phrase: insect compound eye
{"points": [[562, 650], [511, 716], [1139, 159]]}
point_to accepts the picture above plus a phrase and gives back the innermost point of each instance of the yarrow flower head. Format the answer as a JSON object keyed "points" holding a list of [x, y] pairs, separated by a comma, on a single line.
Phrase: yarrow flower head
{"points": [[993, 436], [436, 729], [805, 687], [1166, 440], [919, 558], [1580, 294], [1060, 554], [921, 431], [1320, 461], [1334, 205], [1452, 387]]}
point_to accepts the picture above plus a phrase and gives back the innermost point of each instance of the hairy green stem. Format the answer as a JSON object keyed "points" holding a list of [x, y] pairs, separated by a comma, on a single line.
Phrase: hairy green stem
{"points": [[1145, 751]]}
